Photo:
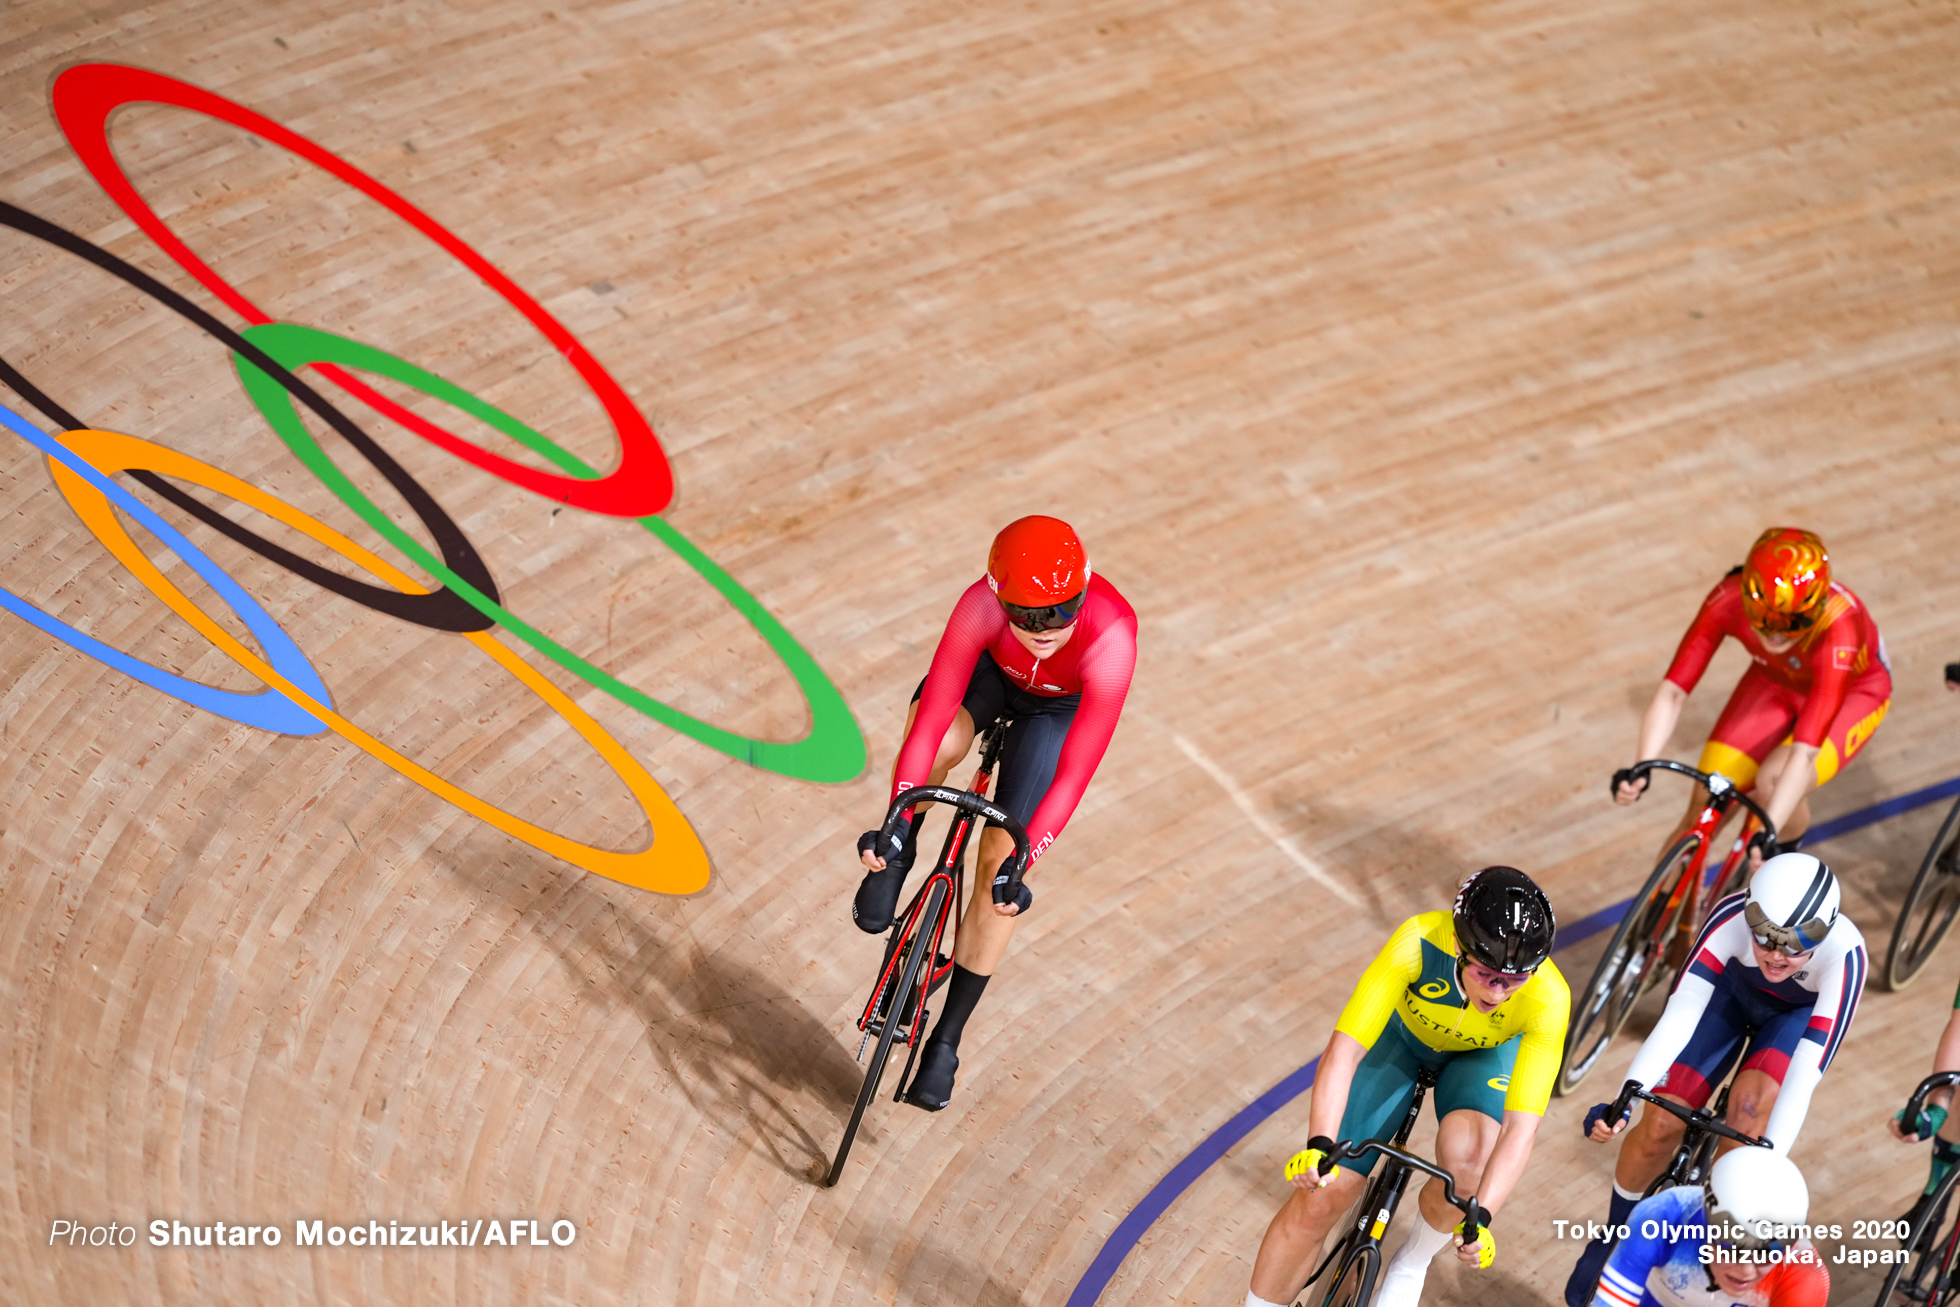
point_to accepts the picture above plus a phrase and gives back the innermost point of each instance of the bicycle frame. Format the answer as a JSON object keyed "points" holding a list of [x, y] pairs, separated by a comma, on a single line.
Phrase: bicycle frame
{"points": [[951, 868], [913, 964], [1936, 1259], [1665, 916], [1698, 886], [1696, 1151], [1385, 1194]]}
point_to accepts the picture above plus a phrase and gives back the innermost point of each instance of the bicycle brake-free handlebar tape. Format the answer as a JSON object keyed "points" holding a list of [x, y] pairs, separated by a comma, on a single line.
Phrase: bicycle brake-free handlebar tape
{"points": [[969, 802], [1723, 1129], [1649, 765], [1938, 1080]]}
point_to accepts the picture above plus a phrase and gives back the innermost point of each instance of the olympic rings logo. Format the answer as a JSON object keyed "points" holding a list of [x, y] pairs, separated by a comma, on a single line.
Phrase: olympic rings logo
{"points": [[268, 357]]}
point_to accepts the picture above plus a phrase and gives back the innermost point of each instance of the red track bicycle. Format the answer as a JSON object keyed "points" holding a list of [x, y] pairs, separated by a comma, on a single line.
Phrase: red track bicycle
{"points": [[914, 967], [1652, 942]]}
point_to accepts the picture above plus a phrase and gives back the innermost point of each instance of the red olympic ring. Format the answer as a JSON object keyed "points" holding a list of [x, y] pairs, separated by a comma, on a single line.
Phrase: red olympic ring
{"points": [[84, 97]]}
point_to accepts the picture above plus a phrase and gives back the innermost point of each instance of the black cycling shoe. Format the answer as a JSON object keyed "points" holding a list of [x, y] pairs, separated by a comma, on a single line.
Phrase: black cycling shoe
{"points": [[877, 899], [1584, 1283], [932, 1087]]}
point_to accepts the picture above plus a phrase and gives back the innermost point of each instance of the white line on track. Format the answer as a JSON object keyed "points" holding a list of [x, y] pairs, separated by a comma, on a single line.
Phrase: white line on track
{"points": [[1281, 840]]}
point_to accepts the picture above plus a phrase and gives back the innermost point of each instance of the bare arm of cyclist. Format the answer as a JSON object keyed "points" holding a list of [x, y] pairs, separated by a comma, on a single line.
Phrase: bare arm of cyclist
{"points": [[1367, 1013], [1656, 728], [1798, 778], [1945, 1058], [1504, 1169], [1330, 1095]]}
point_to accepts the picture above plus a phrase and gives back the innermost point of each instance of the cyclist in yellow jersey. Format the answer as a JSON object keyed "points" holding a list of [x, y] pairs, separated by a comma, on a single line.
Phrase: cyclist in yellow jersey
{"points": [[1473, 993]]}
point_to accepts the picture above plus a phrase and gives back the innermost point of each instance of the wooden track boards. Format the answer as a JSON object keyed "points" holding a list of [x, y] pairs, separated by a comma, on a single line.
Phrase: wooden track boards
{"points": [[1412, 367]]}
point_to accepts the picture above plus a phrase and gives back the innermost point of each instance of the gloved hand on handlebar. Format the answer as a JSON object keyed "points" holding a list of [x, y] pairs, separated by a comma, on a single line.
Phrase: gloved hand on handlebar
{"points": [[1764, 848], [1483, 1252], [1596, 1115], [1931, 1118], [889, 851], [1306, 1163], [1023, 896], [1626, 776]]}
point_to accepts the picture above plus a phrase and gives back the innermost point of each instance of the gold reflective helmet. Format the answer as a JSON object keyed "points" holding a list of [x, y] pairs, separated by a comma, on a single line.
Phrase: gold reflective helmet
{"points": [[1785, 581]]}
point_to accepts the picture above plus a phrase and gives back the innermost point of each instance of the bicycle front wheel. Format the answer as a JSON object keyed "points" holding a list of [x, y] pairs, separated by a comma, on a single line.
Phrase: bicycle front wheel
{"points": [[1928, 1277], [1355, 1285], [918, 947], [1930, 905], [1631, 963]]}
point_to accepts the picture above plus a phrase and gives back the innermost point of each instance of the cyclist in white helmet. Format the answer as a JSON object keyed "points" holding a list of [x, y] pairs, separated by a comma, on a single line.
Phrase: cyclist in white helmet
{"points": [[1733, 1242], [1774, 980]]}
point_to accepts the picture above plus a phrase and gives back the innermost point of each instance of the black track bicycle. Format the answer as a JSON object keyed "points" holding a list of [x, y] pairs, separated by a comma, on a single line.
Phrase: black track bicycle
{"points": [[1930, 1275], [914, 966], [1357, 1258], [1695, 1154], [1652, 941], [1934, 899]]}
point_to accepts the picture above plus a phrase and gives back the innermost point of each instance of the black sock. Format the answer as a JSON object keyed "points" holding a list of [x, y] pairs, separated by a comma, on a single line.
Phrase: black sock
{"points": [[961, 996]]}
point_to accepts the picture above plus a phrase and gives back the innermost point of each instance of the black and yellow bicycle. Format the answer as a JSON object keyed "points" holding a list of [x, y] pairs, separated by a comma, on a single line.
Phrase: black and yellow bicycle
{"points": [[1357, 1258]]}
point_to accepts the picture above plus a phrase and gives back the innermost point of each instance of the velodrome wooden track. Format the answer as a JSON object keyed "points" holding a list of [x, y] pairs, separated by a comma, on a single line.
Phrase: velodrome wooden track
{"points": [[1412, 365]]}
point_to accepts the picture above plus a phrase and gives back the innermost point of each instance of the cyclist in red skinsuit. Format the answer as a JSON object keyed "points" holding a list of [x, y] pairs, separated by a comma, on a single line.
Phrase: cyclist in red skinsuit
{"points": [[1096, 663], [1817, 689], [1041, 640]]}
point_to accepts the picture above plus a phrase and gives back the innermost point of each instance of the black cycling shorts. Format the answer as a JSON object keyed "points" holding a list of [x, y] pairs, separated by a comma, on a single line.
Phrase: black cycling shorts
{"points": [[1034, 742]]}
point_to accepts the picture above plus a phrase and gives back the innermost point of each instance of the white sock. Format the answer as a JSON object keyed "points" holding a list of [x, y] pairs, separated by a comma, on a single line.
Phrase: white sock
{"points": [[1407, 1266], [1254, 1300]]}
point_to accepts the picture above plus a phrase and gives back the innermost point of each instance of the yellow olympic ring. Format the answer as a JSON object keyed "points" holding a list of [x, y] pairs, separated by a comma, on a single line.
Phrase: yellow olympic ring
{"points": [[675, 863]]}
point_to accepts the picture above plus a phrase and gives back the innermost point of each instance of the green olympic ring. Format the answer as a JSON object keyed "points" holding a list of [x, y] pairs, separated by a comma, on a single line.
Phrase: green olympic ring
{"points": [[834, 748]]}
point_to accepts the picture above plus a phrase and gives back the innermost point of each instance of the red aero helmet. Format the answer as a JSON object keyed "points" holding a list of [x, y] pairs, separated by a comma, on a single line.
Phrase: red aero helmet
{"points": [[1785, 581], [1037, 562]]}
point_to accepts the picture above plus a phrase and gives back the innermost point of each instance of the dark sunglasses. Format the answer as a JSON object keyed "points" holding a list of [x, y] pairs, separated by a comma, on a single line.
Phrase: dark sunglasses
{"points": [[1787, 623], [1051, 618]]}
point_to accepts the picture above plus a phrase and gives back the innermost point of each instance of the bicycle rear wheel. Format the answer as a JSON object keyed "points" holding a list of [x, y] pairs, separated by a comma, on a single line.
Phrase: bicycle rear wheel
{"points": [[1355, 1285], [1631, 963], [1931, 1275], [1929, 907], [917, 949]]}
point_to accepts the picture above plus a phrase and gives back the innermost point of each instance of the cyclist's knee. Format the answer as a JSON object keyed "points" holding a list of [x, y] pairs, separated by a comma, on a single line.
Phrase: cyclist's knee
{"points": [[995, 846], [1309, 1213], [1463, 1144], [1750, 1101], [1656, 1130]]}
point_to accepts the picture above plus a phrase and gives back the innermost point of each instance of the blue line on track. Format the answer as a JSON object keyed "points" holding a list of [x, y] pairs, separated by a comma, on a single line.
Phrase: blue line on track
{"points": [[1168, 1190]]}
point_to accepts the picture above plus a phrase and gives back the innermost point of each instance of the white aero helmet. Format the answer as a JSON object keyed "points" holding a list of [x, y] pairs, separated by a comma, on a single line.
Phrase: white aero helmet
{"points": [[1793, 902], [1753, 1197]]}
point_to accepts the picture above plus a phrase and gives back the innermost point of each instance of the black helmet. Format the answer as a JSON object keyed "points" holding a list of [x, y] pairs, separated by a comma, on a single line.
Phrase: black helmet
{"points": [[1504, 921]]}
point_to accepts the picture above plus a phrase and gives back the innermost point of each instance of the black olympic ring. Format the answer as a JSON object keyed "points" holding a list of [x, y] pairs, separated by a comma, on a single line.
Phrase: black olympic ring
{"points": [[440, 610]]}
